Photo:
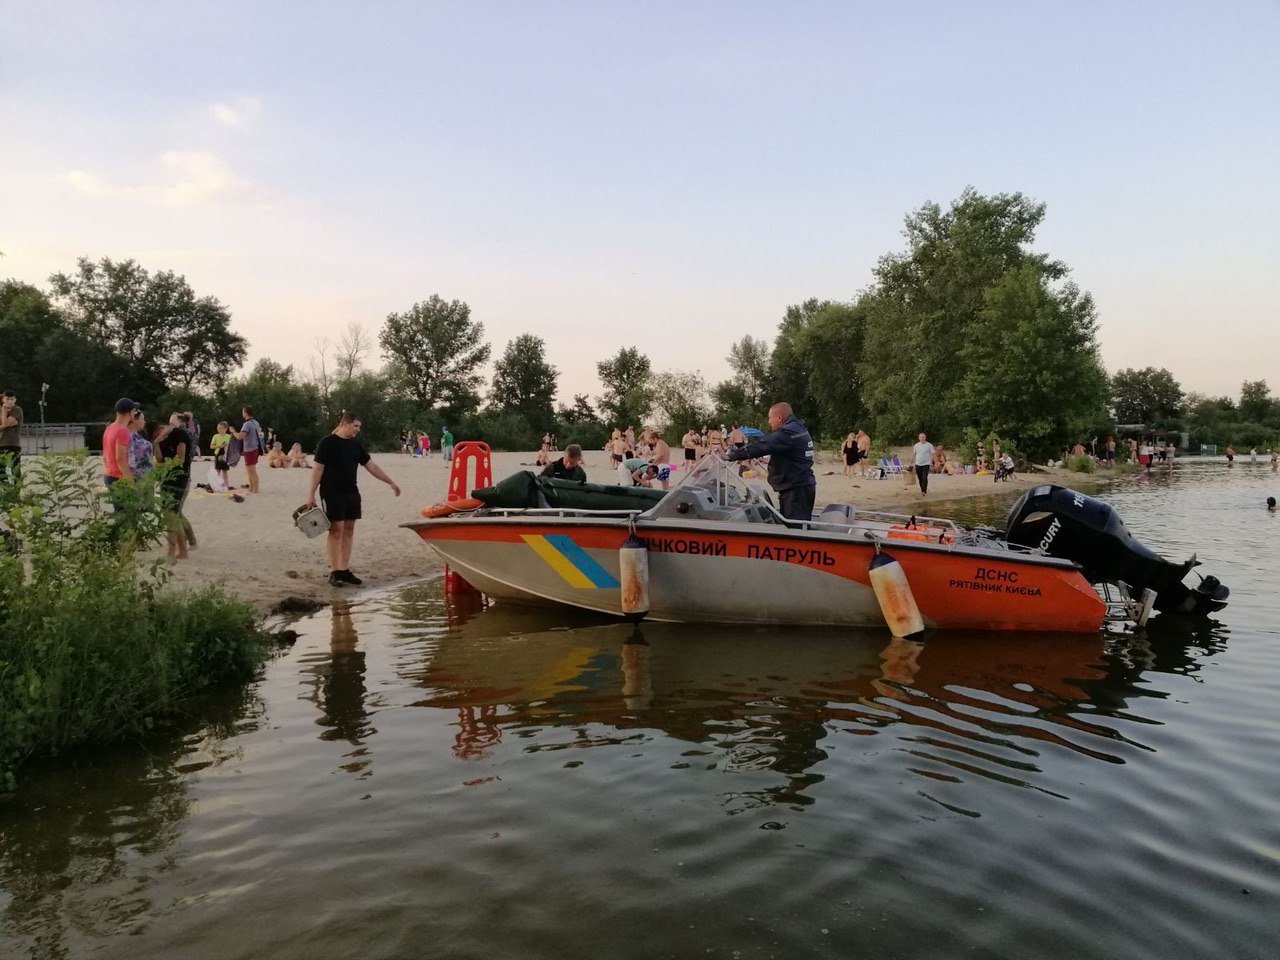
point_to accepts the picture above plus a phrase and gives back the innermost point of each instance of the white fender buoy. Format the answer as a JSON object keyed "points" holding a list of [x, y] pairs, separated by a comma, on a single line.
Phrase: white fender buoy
{"points": [[633, 567], [897, 603]]}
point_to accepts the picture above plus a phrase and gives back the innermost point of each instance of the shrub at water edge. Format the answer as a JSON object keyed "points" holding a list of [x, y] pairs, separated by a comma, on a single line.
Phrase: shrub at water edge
{"points": [[90, 646]]}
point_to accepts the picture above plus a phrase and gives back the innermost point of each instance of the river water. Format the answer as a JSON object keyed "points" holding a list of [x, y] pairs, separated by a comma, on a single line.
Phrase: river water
{"points": [[422, 778]]}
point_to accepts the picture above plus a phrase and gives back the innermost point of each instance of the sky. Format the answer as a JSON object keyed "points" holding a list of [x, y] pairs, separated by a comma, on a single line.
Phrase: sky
{"points": [[664, 175]]}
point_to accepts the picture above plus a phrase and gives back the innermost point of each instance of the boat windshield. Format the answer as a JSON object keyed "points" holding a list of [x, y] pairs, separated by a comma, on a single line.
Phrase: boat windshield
{"points": [[713, 489]]}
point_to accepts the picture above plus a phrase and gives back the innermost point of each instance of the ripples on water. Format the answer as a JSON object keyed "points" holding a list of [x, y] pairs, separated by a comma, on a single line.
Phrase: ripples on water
{"points": [[424, 778]]}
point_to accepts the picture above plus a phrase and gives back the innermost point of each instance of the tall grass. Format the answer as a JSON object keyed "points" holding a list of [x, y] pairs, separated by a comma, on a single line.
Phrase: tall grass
{"points": [[91, 646]]}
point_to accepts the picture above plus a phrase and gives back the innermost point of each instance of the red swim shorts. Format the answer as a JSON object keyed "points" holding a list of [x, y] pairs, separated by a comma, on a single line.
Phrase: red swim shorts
{"points": [[251, 458]]}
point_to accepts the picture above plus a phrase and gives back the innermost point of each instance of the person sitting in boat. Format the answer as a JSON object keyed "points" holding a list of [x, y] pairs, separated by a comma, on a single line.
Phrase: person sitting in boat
{"points": [[790, 452], [567, 467]]}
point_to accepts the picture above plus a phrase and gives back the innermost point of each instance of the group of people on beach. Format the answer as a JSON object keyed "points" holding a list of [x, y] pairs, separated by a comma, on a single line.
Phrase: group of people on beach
{"points": [[417, 443], [132, 448], [640, 461]]}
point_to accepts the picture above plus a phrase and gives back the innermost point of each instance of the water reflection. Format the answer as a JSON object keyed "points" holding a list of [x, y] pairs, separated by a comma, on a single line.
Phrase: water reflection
{"points": [[777, 701], [335, 683], [75, 835]]}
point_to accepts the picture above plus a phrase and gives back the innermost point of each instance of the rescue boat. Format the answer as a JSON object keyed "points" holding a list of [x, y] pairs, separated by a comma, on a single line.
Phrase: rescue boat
{"points": [[715, 550]]}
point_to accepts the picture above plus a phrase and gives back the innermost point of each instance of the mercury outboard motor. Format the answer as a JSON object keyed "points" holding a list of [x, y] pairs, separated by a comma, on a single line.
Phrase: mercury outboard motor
{"points": [[1067, 524]]}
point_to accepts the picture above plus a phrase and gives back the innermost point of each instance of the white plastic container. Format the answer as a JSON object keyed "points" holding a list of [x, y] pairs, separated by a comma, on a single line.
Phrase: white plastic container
{"points": [[312, 522]]}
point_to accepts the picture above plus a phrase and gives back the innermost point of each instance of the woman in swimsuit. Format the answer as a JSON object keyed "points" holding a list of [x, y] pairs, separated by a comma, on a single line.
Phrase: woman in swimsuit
{"points": [[850, 451]]}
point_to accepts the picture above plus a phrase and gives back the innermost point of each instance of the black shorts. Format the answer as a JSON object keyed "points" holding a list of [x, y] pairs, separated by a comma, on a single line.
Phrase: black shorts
{"points": [[341, 506], [690, 454]]}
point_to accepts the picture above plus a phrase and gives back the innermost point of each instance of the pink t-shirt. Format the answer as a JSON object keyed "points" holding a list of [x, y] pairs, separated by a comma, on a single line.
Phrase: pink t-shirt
{"points": [[115, 435]]}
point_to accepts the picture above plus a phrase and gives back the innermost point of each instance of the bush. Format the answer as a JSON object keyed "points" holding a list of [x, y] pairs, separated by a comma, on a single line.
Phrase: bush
{"points": [[90, 647], [968, 449], [1080, 463]]}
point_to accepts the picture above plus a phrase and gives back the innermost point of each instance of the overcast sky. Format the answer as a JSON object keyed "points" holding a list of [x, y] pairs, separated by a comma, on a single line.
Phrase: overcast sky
{"points": [[665, 175]]}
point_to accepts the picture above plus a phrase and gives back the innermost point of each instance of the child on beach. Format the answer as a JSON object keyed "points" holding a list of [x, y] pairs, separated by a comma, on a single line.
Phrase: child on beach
{"points": [[218, 444]]}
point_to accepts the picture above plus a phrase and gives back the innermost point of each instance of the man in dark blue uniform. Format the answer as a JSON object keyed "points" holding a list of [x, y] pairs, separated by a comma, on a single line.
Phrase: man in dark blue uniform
{"points": [[790, 452]]}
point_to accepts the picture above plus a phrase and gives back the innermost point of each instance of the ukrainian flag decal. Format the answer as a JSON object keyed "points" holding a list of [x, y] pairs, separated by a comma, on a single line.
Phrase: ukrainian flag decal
{"points": [[574, 564]]}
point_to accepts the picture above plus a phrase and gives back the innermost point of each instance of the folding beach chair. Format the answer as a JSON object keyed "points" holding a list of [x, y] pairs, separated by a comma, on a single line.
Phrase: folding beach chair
{"points": [[897, 466]]}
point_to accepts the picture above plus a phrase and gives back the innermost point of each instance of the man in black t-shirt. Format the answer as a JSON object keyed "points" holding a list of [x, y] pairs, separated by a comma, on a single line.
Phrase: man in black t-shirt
{"points": [[568, 467], [338, 460]]}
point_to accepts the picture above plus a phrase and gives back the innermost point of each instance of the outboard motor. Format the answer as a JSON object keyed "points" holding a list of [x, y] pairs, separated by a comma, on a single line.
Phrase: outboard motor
{"points": [[1067, 524]]}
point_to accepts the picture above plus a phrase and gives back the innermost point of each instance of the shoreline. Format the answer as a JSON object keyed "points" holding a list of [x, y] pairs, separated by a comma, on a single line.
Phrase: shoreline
{"points": [[253, 551]]}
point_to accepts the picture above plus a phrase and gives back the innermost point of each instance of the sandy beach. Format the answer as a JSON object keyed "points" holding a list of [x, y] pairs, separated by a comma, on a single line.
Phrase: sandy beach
{"points": [[253, 549]]}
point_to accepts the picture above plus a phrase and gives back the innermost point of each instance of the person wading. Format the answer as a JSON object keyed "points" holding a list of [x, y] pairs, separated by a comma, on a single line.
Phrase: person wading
{"points": [[790, 452], [338, 459]]}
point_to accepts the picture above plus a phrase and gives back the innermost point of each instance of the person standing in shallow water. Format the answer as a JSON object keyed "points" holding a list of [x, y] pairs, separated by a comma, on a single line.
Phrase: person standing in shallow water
{"points": [[338, 459]]}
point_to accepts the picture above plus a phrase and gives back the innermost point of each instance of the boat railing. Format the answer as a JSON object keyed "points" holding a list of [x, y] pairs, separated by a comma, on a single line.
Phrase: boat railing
{"points": [[557, 512]]}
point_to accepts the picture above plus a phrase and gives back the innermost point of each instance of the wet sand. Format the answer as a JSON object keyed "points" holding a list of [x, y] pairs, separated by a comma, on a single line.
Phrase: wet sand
{"points": [[253, 549]]}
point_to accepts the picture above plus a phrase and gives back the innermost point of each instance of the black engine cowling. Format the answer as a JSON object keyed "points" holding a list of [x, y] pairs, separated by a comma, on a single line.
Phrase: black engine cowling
{"points": [[1067, 524]]}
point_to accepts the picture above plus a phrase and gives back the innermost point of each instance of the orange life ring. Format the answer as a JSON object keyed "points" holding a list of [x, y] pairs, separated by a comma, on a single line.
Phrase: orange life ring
{"points": [[445, 508]]}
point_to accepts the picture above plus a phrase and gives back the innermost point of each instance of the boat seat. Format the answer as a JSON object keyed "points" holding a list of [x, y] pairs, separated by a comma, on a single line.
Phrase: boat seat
{"points": [[844, 513]]}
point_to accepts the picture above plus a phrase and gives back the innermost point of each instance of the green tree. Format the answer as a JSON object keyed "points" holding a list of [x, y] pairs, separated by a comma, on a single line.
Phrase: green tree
{"points": [[581, 410], [84, 375], [833, 344], [383, 414], [1031, 370], [729, 404], [788, 378], [26, 320], [928, 299], [435, 350], [280, 400], [680, 400], [154, 322], [1148, 396], [627, 394], [1256, 402], [524, 382], [749, 359]]}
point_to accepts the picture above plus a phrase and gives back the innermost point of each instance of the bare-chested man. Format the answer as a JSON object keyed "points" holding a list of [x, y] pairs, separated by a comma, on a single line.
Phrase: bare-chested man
{"points": [[690, 443], [617, 448]]}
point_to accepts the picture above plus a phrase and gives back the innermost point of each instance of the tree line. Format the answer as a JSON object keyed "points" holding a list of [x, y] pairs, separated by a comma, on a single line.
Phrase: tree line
{"points": [[967, 331]]}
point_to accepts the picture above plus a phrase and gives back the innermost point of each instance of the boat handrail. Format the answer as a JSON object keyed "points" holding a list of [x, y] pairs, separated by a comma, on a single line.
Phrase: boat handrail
{"points": [[880, 516], [557, 512]]}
